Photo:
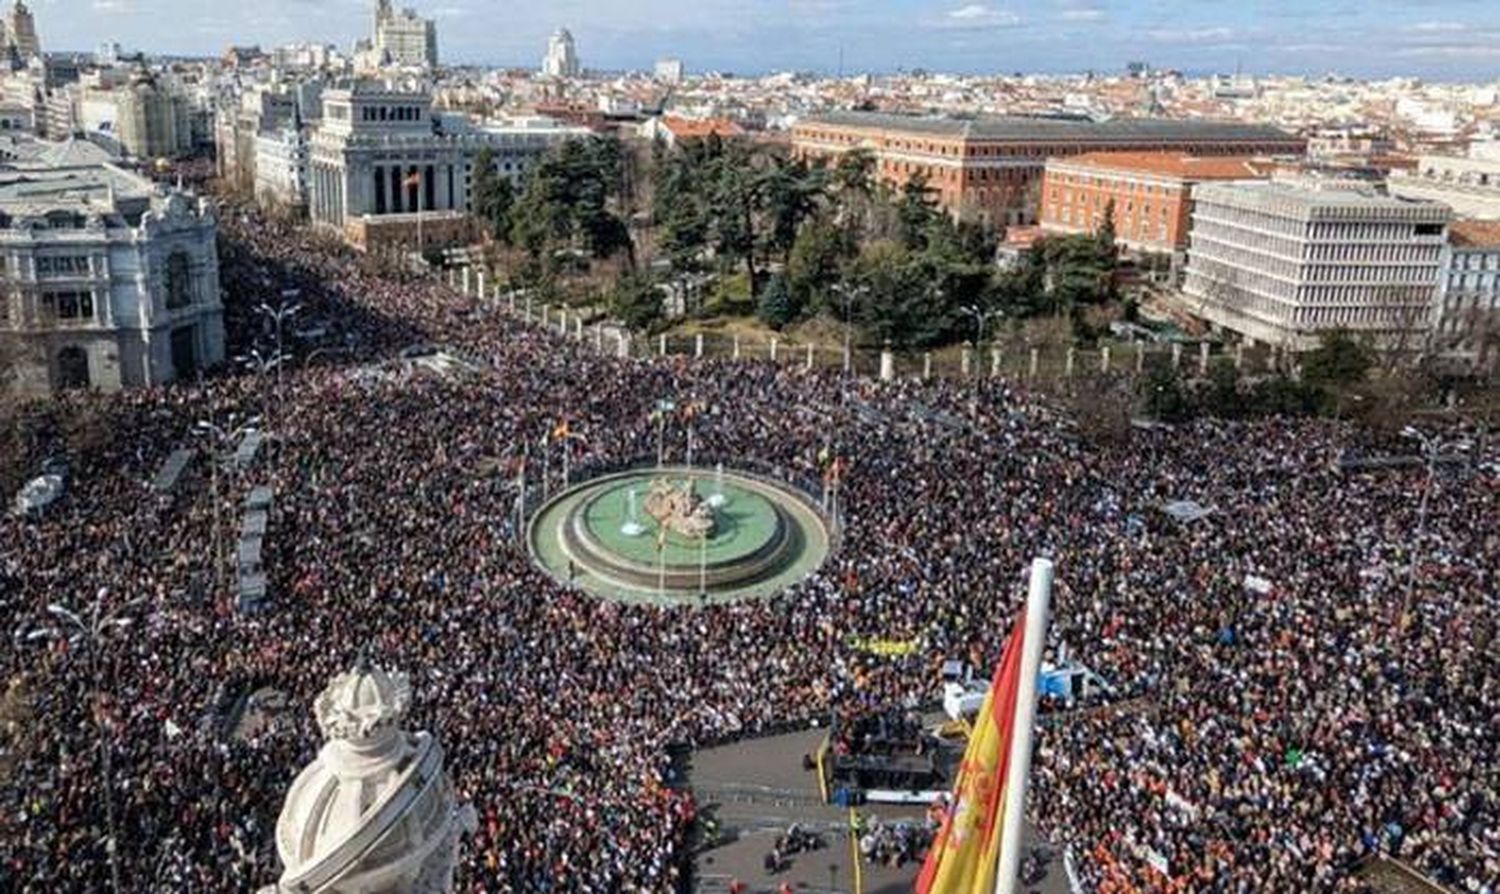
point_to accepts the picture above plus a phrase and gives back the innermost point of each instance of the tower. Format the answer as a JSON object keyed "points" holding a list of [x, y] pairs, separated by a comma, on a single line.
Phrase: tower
{"points": [[374, 812], [561, 60], [21, 28]]}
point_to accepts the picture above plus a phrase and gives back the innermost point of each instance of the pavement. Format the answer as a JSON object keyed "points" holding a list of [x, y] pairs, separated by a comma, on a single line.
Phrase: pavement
{"points": [[757, 788]]}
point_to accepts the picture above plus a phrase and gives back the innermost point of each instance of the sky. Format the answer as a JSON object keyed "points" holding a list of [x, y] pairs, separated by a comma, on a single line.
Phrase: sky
{"points": [[1434, 39]]}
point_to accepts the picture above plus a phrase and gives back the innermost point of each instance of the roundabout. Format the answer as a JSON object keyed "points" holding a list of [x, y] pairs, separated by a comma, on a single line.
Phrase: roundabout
{"points": [[679, 535]]}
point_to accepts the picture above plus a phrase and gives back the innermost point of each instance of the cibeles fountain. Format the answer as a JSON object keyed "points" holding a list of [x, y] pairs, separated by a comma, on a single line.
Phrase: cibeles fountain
{"points": [[374, 813], [680, 535]]}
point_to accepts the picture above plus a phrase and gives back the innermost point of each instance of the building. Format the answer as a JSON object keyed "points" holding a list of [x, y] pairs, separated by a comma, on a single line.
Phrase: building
{"points": [[375, 811], [381, 152], [669, 70], [673, 130], [561, 60], [20, 33], [1150, 194], [152, 120], [1470, 186], [991, 168], [1466, 315], [281, 159], [110, 281], [1280, 261], [404, 38]]}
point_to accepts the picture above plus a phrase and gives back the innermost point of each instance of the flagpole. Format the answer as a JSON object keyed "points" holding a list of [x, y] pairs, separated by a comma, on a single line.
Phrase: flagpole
{"points": [[1018, 772]]}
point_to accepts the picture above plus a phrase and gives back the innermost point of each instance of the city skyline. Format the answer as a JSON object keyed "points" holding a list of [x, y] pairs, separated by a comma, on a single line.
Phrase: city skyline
{"points": [[1433, 39]]}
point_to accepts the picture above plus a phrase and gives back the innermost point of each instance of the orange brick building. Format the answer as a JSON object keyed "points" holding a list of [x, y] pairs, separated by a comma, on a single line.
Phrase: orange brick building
{"points": [[1151, 192], [990, 168]]}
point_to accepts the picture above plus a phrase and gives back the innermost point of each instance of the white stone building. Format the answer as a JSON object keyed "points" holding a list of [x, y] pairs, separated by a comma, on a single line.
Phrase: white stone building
{"points": [[561, 60], [375, 812], [380, 151], [1281, 261], [281, 158], [404, 38], [109, 280], [669, 70], [1466, 316], [1470, 186]]}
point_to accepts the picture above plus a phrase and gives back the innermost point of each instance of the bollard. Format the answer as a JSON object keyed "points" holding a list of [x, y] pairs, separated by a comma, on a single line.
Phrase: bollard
{"points": [[1068, 366], [887, 365], [1104, 359], [544, 315], [1176, 355], [1035, 362], [661, 345], [482, 295], [994, 363], [466, 280], [1202, 358], [528, 308], [926, 364], [698, 345], [807, 364], [1140, 357], [578, 326], [964, 362], [736, 346], [773, 349]]}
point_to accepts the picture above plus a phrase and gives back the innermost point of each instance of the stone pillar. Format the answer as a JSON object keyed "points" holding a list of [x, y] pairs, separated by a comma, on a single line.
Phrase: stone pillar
{"points": [[1239, 356], [465, 272], [578, 326], [1104, 359], [887, 365], [599, 339], [698, 345], [482, 294], [622, 345], [736, 346], [661, 345], [1036, 356], [964, 362], [994, 363], [926, 364], [848, 358], [773, 349], [1202, 358], [1273, 354], [1176, 355], [1140, 357], [807, 364], [528, 308], [1068, 365]]}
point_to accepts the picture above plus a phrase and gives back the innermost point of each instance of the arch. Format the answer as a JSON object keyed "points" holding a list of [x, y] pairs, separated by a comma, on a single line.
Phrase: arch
{"points": [[72, 367], [179, 281]]}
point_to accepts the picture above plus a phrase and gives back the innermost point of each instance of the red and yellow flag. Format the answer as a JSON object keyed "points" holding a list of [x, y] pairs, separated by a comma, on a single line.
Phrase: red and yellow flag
{"points": [[966, 852]]}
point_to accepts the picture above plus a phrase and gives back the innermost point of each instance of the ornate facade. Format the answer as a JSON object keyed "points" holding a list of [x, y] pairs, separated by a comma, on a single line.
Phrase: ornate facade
{"points": [[374, 813]]}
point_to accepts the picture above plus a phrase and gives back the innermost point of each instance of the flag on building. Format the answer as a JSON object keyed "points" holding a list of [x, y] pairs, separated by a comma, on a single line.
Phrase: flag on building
{"points": [[412, 179], [964, 856]]}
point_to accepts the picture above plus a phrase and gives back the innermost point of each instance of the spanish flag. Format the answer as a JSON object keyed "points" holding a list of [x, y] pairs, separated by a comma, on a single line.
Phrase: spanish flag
{"points": [[964, 856], [562, 431]]}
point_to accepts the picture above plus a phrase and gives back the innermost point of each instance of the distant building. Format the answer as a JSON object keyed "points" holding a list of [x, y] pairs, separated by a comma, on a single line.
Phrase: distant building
{"points": [[561, 60], [673, 131], [20, 33], [991, 169], [1466, 317], [1470, 186], [380, 156], [404, 38], [1281, 261], [110, 281], [669, 71], [281, 159], [1150, 192]]}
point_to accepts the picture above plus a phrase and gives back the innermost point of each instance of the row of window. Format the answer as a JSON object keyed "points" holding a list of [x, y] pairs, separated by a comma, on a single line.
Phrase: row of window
{"points": [[71, 305], [62, 265], [390, 113]]}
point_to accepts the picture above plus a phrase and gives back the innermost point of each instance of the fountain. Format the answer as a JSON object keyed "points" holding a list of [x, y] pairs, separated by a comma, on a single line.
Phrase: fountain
{"points": [[717, 498], [631, 528]]}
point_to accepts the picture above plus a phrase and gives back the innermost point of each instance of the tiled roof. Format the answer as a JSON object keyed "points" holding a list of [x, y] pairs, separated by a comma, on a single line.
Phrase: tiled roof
{"points": [[690, 128], [1474, 233], [1024, 128], [1175, 164]]}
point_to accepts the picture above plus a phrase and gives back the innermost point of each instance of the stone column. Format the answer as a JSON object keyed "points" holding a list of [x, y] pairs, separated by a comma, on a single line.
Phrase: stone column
{"points": [[1104, 359], [1176, 355], [1035, 362], [927, 364], [622, 345], [964, 361], [807, 364], [1202, 358], [661, 345], [1068, 365], [512, 300], [599, 339], [1239, 356], [994, 363], [544, 316], [698, 345], [528, 307], [773, 349], [578, 326], [465, 275], [736, 346], [1140, 357], [482, 294]]}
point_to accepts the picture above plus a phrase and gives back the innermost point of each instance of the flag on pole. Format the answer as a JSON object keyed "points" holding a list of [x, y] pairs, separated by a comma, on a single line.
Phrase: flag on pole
{"points": [[562, 431], [412, 179], [964, 856]]}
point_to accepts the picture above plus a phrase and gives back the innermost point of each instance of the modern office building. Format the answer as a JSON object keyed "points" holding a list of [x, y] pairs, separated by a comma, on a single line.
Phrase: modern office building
{"points": [[1150, 194], [1282, 260], [561, 60], [110, 281], [404, 38], [991, 168], [1466, 316], [381, 156]]}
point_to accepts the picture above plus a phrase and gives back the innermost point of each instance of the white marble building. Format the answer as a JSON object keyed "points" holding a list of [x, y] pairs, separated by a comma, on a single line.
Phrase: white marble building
{"points": [[1281, 261], [561, 60], [374, 813], [110, 280]]}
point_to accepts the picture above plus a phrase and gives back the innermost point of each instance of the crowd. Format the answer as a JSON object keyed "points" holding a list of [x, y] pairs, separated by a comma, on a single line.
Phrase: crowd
{"points": [[1275, 737]]}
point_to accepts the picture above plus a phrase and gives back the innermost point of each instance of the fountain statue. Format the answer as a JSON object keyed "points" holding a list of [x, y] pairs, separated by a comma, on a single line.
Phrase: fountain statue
{"points": [[679, 509]]}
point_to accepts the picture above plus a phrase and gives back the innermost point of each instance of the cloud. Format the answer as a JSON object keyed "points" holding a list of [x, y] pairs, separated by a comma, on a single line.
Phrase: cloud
{"points": [[1083, 15], [1438, 27], [977, 15], [1214, 35]]}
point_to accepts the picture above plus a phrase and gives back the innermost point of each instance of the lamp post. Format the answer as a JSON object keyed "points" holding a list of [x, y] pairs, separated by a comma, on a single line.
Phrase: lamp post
{"points": [[1430, 452], [849, 295], [284, 310], [92, 630], [219, 440]]}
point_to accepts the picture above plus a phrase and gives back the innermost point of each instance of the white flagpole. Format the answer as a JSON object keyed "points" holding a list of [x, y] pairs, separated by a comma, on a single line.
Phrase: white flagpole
{"points": [[1038, 600]]}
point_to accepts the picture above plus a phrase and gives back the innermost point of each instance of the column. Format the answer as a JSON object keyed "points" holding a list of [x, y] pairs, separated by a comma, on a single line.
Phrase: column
{"points": [[698, 345], [1034, 362], [927, 365], [994, 363], [1068, 366], [965, 361], [1202, 358], [887, 365], [1104, 359], [398, 202]]}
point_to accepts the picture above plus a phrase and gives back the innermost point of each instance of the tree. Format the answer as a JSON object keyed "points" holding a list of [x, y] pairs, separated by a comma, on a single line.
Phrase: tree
{"points": [[915, 211], [636, 300], [734, 200], [789, 192], [493, 196], [816, 261], [1162, 393], [778, 305], [1339, 361]]}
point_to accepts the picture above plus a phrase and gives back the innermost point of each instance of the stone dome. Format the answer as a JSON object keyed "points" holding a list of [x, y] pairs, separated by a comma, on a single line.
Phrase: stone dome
{"points": [[375, 812]]}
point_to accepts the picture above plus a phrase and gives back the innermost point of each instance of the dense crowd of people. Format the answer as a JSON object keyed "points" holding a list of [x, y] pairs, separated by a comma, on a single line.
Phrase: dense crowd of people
{"points": [[1274, 737]]}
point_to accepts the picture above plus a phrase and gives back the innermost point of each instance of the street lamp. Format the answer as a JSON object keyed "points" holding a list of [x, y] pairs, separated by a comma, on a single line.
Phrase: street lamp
{"points": [[286, 308], [93, 630], [1430, 452], [849, 295], [219, 440]]}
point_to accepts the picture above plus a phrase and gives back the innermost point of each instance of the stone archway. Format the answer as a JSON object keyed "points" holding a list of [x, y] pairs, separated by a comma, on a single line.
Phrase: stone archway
{"points": [[72, 367]]}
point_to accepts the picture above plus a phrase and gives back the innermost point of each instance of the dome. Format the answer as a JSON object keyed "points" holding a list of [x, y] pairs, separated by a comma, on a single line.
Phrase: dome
{"points": [[374, 813]]}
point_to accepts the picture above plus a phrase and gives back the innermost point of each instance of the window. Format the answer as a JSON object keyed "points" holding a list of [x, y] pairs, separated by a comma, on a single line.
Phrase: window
{"points": [[179, 281], [69, 305], [65, 265]]}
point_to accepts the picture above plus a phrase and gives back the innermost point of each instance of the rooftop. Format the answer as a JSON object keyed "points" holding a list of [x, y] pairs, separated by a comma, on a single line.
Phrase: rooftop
{"points": [[1474, 233], [1176, 164], [1026, 128], [691, 128], [40, 189], [1309, 194]]}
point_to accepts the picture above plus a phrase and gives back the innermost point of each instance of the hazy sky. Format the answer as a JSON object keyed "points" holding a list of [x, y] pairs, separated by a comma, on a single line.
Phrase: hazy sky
{"points": [[1432, 38]]}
